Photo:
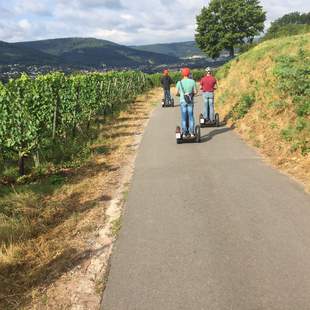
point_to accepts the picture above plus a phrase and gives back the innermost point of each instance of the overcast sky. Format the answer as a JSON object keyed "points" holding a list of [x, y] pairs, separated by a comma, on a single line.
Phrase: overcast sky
{"points": [[121, 21]]}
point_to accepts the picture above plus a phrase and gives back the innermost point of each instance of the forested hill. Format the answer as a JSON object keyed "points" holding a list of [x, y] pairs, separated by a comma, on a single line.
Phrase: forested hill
{"points": [[181, 49], [11, 54], [79, 51]]}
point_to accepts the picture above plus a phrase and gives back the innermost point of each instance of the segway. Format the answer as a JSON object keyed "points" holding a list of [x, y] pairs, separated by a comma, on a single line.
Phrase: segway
{"points": [[207, 123], [182, 137], [167, 103]]}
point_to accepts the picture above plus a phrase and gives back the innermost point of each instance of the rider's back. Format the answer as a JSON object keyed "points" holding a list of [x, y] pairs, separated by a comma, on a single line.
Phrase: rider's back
{"points": [[188, 86]]}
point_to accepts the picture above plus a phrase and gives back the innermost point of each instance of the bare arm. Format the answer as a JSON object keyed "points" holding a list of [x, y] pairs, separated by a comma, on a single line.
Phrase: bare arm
{"points": [[177, 91]]}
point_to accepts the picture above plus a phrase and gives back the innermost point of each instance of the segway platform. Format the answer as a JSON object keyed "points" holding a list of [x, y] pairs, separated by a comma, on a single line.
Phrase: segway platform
{"points": [[186, 137], [207, 123]]}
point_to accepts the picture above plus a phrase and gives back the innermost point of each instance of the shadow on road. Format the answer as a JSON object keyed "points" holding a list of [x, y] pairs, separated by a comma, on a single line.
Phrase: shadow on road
{"points": [[215, 132]]}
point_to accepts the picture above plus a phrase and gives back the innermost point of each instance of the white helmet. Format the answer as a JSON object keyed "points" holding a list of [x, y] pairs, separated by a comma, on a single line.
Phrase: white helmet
{"points": [[208, 69]]}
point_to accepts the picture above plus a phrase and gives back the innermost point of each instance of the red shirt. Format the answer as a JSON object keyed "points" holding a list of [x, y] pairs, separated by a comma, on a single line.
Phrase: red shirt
{"points": [[208, 83]]}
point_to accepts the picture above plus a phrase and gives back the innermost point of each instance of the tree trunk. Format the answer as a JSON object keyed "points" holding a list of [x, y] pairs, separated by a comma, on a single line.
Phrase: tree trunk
{"points": [[232, 52], [21, 165], [74, 131]]}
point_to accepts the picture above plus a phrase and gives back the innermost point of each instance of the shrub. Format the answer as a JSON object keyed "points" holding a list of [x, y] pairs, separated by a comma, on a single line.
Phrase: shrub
{"points": [[293, 74], [243, 106]]}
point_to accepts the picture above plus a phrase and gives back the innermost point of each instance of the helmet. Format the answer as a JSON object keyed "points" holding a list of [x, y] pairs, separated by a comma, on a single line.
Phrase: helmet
{"points": [[166, 72], [186, 72], [208, 69]]}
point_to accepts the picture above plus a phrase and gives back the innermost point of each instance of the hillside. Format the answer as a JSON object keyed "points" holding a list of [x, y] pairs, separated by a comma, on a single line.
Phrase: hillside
{"points": [[10, 54], [181, 50], [83, 52], [265, 94]]}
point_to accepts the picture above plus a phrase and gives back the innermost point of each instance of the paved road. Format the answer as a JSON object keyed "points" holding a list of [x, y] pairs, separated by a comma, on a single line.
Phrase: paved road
{"points": [[209, 226]]}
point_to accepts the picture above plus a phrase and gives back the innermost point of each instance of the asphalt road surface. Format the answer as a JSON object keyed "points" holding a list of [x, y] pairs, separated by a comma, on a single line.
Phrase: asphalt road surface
{"points": [[209, 226]]}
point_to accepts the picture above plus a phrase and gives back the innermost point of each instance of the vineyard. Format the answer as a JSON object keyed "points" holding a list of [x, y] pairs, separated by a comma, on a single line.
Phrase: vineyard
{"points": [[52, 109], [62, 139], [48, 113]]}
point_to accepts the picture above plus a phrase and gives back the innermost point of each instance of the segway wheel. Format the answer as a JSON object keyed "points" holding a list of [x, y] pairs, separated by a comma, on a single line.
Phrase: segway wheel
{"points": [[217, 120], [197, 134], [178, 135], [172, 102]]}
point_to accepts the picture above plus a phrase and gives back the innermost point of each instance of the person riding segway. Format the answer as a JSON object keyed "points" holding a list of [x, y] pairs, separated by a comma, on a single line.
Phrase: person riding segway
{"points": [[166, 83], [208, 85], [186, 90]]}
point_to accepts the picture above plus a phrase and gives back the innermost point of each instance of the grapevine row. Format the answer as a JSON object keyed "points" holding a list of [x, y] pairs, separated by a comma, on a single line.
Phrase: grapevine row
{"points": [[34, 112]]}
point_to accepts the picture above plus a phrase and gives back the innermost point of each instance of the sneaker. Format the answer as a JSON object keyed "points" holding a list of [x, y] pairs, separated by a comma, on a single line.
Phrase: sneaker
{"points": [[192, 135]]}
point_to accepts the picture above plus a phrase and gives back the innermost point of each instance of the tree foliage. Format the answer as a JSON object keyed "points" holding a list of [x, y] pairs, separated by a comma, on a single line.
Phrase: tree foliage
{"points": [[289, 24], [227, 23], [292, 18]]}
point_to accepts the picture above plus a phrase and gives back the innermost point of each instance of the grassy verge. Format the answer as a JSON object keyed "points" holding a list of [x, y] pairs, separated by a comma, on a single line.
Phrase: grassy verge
{"points": [[265, 93], [47, 224]]}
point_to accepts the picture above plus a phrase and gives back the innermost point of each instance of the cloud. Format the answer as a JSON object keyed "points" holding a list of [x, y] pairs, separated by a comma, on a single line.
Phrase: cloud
{"points": [[92, 4], [126, 22], [109, 4], [31, 7], [5, 13], [24, 24]]}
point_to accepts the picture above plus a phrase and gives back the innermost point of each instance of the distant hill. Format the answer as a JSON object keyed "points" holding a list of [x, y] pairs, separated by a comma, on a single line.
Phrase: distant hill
{"points": [[181, 50], [90, 53], [79, 52], [11, 54]]}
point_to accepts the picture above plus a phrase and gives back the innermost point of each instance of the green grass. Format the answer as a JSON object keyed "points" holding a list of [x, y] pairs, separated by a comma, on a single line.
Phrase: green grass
{"points": [[224, 70], [116, 227], [245, 103]]}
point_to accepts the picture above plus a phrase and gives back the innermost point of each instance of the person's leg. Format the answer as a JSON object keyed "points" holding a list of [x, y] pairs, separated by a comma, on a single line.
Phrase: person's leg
{"points": [[183, 116], [208, 107], [205, 106], [165, 95], [211, 106], [190, 110], [168, 95]]}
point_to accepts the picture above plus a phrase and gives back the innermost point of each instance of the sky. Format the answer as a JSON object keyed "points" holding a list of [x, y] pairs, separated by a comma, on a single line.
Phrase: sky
{"points": [[130, 22]]}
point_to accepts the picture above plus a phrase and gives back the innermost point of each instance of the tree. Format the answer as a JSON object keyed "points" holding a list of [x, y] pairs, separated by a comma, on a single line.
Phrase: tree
{"points": [[227, 23], [289, 24], [292, 18]]}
